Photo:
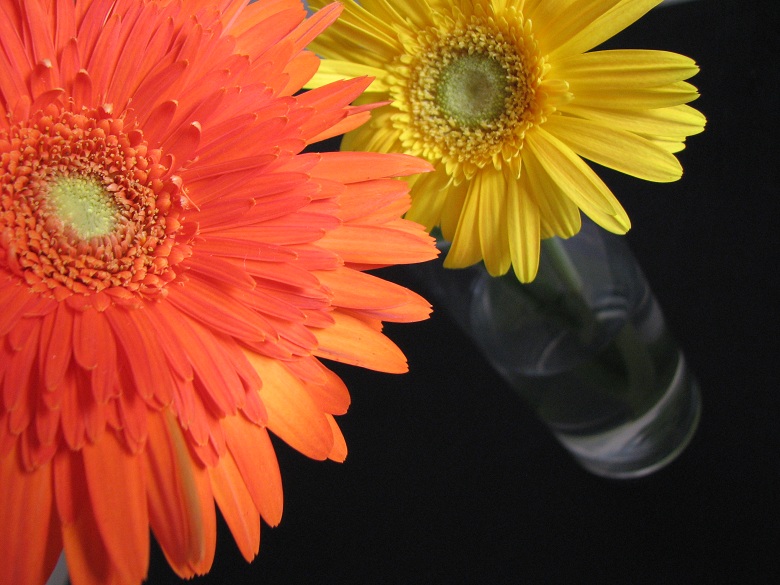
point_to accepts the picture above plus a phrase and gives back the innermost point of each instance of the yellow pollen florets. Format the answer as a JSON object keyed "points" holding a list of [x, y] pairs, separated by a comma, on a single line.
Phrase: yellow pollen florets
{"points": [[469, 93]]}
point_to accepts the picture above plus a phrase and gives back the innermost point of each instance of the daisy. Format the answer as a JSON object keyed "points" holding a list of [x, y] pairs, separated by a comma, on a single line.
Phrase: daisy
{"points": [[504, 98], [173, 270]]}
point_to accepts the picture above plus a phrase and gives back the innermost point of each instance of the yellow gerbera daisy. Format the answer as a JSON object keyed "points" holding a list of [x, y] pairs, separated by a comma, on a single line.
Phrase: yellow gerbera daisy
{"points": [[502, 97]]}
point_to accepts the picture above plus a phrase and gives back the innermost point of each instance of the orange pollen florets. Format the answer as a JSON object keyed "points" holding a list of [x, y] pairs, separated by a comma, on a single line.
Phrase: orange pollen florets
{"points": [[87, 206]]}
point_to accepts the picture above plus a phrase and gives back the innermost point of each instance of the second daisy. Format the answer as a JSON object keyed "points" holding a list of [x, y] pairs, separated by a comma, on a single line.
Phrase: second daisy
{"points": [[504, 99]]}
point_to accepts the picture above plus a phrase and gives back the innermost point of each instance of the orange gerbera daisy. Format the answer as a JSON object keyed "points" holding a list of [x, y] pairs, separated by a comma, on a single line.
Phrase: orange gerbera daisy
{"points": [[171, 270]]}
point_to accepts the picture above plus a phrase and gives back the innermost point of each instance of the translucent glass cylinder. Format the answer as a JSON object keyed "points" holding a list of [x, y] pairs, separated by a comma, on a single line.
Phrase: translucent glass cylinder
{"points": [[60, 574], [585, 345]]}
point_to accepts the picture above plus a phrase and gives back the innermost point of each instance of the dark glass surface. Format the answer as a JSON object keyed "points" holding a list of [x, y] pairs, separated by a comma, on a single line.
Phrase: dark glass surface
{"points": [[450, 479]]}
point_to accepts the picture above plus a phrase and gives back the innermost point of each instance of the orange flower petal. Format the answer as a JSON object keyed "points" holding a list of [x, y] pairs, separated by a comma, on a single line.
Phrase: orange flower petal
{"points": [[30, 538], [353, 341], [374, 296], [150, 375], [258, 466], [339, 451], [86, 348], [117, 494], [104, 376], [85, 552], [18, 364], [398, 247], [220, 312], [292, 414], [236, 505], [328, 103], [58, 352], [182, 519], [330, 394], [352, 167]]}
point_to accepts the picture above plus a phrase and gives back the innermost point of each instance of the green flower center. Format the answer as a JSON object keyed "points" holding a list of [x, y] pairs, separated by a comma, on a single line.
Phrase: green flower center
{"points": [[82, 204], [473, 90]]}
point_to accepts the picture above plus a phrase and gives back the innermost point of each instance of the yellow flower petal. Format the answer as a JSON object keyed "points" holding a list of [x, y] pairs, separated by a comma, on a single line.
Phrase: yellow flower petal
{"points": [[430, 193], [674, 94], [616, 149], [561, 216], [669, 145], [418, 13], [679, 121], [556, 22], [465, 249], [619, 17], [360, 33], [452, 209], [625, 69], [578, 181], [523, 230], [493, 242], [568, 171], [378, 135]]}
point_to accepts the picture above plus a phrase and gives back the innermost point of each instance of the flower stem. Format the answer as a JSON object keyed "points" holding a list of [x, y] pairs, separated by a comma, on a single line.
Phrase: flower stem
{"points": [[563, 264]]}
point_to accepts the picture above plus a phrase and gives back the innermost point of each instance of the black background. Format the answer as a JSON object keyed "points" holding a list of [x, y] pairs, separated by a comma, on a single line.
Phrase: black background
{"points": [[450, 479]]}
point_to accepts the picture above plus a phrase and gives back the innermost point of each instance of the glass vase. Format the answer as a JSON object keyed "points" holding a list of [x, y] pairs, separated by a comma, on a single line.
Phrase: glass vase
{"points": [[59, 575], [585, 345]]}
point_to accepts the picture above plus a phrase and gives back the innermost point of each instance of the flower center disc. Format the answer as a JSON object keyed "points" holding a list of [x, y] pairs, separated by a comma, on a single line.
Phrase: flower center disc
{"points": [[82, 204], [473, 90], [87, 206], [468, 92]]}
